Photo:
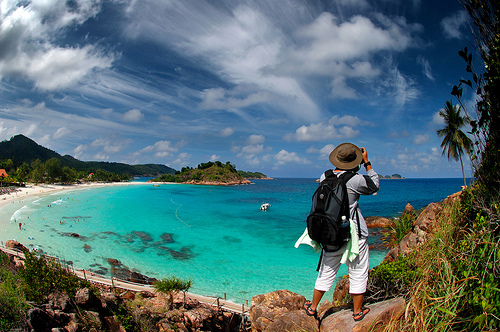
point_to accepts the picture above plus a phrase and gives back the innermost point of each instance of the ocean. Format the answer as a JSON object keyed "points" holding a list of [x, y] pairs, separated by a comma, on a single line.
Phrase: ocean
{"points": [[216, 236]]}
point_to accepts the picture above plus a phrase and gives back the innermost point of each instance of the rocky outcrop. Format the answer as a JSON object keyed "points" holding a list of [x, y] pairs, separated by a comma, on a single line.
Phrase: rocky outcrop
{"points": [[279, 311], [423, 226], [282, 311], [16, 245], [380, 222], [380, 315]]}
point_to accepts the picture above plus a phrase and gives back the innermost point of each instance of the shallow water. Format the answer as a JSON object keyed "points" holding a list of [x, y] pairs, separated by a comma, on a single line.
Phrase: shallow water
{"points": [[216, 236]]}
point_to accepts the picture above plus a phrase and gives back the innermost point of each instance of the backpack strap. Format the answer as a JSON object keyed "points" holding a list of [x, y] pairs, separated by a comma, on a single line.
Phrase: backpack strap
{"points": [[346, 176]]}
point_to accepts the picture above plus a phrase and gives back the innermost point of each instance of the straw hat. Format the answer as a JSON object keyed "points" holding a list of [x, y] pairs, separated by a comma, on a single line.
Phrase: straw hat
{"points": [[346, 156]]}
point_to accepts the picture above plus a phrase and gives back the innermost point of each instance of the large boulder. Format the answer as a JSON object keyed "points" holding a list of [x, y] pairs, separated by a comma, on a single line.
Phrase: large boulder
{"points": [[423, 226], [380, 315], [381, 222], [279, 311], [16, 245]]}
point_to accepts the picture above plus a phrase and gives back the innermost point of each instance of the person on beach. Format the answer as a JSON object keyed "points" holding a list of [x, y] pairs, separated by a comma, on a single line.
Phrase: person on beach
{"points": [[348, 157]]}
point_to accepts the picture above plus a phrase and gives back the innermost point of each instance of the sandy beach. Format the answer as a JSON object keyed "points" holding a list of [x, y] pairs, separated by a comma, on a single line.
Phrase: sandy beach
{"points": [[11, 202]]}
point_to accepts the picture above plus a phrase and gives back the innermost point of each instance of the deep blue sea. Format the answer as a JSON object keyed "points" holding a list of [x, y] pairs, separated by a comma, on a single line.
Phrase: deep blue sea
{"points": [[220, 239]]}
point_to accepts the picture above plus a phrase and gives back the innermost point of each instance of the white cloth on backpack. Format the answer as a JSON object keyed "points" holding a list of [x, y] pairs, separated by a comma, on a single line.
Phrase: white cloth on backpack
{"points": [[352, 248], [305, 239]]}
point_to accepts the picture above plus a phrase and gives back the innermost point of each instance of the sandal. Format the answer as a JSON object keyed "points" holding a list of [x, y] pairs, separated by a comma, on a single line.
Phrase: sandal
{"points": [[360, 315], [307, 308]]}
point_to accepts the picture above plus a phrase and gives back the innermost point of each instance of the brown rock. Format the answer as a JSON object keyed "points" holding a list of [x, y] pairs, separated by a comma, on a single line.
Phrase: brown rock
{"points": [[452, 198], [280, 310], [409, 209], [341, 290], [16, 245], [86, 299], [197, 317], [60, 301], [381, 222], [113, 324], [379, 316]]}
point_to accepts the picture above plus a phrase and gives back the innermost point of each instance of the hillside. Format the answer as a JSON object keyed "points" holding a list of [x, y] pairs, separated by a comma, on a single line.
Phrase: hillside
{"points": [[211, 173], [21, 149]]}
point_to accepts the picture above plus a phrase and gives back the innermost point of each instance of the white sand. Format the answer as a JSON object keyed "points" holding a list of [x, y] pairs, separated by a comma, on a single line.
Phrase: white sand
{"points": [[10, 203]]}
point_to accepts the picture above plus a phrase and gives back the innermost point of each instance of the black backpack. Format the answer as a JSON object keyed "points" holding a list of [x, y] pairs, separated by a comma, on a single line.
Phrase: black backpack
{"points": [[328, 222]]}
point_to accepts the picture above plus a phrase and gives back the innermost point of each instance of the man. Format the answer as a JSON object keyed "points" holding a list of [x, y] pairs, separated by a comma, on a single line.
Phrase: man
{"points": [[348, 157]]}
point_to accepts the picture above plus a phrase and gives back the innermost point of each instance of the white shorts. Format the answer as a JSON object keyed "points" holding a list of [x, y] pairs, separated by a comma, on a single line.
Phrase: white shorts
{"points": [[357, 269]]}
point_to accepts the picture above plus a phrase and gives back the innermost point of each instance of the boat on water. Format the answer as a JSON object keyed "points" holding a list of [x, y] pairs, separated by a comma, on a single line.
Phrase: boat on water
{"points": [[265, 206], [156, 185]]}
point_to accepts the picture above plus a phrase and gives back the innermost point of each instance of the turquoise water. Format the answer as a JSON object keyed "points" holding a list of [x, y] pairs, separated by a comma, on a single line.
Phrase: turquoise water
{"points": [[221, 238]]}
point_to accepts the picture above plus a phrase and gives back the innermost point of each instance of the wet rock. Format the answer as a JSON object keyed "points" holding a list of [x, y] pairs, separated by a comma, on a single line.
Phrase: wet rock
{"points": [[87, 248], [167, 238], [145, 237], [114, 262]]}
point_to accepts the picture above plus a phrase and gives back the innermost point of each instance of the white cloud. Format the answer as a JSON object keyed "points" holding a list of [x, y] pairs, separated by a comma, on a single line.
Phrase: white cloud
{"points": [[256, 139], [214, 157], [453, 24], [285, 157], [421, 139], [133, 115], [426, 67], [336, 128], [26, 35], [226, 132], [324, 152]]}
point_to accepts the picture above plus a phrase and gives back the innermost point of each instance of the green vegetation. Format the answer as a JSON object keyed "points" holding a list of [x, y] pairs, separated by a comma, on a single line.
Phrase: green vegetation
{"points": [[42, 275], [215, 172], [252, 175], [399, 228], [172, 284], [458, 288], [52, 171], [455, 141], [19, 156]]}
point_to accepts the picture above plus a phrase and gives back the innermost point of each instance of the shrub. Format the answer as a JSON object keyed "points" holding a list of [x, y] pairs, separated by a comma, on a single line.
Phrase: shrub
{"points": [[42, 275], [399, 228]]}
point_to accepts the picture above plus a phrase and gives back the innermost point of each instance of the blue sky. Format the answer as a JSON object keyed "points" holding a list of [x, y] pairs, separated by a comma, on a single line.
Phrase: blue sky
{"points": [[272, 86]]}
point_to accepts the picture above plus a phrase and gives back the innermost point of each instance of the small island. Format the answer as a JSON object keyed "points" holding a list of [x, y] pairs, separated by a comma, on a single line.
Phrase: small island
{"points": [[392, 177], [211, 173]]}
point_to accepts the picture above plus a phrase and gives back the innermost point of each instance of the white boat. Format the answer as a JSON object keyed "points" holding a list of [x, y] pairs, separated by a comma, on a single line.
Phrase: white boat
{"points": [[265, 206]]}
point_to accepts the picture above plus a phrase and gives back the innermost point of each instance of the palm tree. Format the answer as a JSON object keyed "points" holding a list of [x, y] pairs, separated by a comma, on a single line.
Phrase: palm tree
{"points": [[455, 140]]}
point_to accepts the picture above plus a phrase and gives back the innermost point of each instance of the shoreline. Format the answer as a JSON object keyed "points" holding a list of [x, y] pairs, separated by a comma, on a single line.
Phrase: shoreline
{"points": [[33, 190]]}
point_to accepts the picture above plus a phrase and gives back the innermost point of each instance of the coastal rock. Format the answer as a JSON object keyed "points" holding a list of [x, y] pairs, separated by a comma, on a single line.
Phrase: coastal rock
{"points": [[113, 324], [38, 320], [341, 290], [381, 222], [280, 310], [453, 198], [86, 299], [409, 209], [422, 227], [60, 301], [87, 248], [380, 315], [167, 238], [16, 245], [145, 237]]}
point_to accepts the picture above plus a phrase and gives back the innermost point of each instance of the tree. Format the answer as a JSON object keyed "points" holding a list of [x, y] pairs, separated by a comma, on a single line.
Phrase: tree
{"points": [[455, 141]]}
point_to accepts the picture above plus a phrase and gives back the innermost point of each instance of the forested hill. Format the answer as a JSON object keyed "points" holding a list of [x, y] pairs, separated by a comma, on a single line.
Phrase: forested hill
{"points": [[21, 149]]}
